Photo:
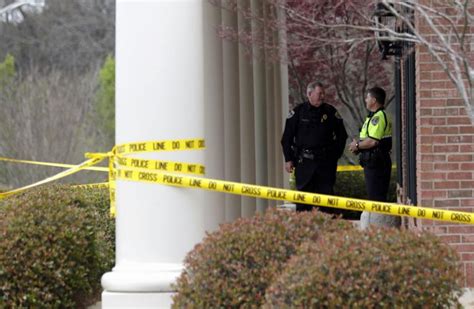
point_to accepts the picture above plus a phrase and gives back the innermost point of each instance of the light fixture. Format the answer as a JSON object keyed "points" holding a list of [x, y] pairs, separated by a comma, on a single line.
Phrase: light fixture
{"points": [[385, 19]]}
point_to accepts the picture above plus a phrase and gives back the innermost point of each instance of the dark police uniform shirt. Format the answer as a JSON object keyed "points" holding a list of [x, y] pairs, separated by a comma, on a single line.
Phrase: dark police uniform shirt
{"points": [[314, 128]]}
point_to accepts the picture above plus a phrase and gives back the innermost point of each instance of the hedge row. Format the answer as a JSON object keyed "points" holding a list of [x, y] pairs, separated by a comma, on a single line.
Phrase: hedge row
{"points": [[234, 266], [56, 242], [306, 260]]}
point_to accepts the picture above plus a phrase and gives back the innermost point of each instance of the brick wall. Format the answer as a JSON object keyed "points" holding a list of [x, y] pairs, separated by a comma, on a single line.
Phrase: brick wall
{"points": [[445, 155]]}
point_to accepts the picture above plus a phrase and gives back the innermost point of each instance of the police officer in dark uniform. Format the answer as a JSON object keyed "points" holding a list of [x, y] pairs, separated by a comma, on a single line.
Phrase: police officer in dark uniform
{"points": [[374, 148], [313, 140]]}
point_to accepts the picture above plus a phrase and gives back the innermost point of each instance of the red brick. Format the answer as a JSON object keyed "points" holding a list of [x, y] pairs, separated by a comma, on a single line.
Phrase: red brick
{"points": [[459, 175], [446, 166], [466, 148], [460, 139], [433, 158], [445, 130], [433, 84], [426, 149], [428, 101], [467, 202], [446, 203], [433, 175], [427, 66], [447, 185], [450, 239], [445, 148], [438, 230], [424, 57], [461, 229], [460, 158], [468, 238], [452, 111], [467, 166], [433, 194], [466, 209], [442, 223], [467, 184], [425, 76], [439, 139], [432, 121], [426, 140], [426, 112], [425, 95], [459, 193], [439, 75], [467, 257], [426, 166], [458, 120], [427, 203], [427, 185], [426, 130], [443, 93], [466, 130], [463, 247], [455, 102]]}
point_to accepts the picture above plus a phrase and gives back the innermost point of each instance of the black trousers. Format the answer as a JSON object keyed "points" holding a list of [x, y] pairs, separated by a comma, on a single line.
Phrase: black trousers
{"points": [[317, 177], [377, 179]]}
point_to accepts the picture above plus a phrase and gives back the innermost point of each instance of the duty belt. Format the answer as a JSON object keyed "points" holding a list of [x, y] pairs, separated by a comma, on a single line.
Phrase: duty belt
{"points": [[311, 154]]}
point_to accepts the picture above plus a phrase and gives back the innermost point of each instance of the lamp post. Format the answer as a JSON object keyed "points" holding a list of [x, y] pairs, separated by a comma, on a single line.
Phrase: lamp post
{"points": [[385, 20]]}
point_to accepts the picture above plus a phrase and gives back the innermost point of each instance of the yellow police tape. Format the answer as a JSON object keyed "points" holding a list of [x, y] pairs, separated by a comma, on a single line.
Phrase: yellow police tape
{"points": [[74, 169], [294, 196], [155, 171], [92, 168]]}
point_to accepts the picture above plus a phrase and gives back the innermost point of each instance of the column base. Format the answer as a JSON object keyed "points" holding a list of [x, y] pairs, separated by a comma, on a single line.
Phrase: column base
{"points": [[136, 300], [140, 285]]}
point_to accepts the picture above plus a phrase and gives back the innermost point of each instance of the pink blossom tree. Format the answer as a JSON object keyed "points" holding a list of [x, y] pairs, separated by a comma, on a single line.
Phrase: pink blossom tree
{"points": [[313, 49]]}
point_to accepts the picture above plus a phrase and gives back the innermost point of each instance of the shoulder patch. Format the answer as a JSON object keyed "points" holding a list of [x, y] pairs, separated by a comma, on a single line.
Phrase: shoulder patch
{"points": [[290, 114], [337, 115], [375, 120]]}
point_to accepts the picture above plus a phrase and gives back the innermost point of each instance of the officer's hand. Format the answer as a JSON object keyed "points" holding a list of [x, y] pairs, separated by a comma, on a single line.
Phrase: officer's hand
{"points": [[353, 147], [289, 166]]}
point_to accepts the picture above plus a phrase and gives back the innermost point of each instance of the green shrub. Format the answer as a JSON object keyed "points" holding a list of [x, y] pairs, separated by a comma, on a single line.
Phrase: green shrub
{"points": [[373, 269], [55, 244], [233, 266], [352, 184]]}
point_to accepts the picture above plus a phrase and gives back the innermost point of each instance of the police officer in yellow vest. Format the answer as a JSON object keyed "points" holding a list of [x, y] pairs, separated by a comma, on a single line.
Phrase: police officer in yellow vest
{"points": [[374, 149]]}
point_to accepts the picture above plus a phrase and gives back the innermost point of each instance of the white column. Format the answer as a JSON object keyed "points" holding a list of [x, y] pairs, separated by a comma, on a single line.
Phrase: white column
{"points": [[261, 151], [160, 95], [214, 109], [247, 124], [231, 117]]}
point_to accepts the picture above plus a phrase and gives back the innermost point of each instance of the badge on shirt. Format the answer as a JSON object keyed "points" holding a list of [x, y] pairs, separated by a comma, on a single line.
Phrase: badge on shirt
{"points": [[337, 115], [375, 120], [324, 118], [292, 112]]}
